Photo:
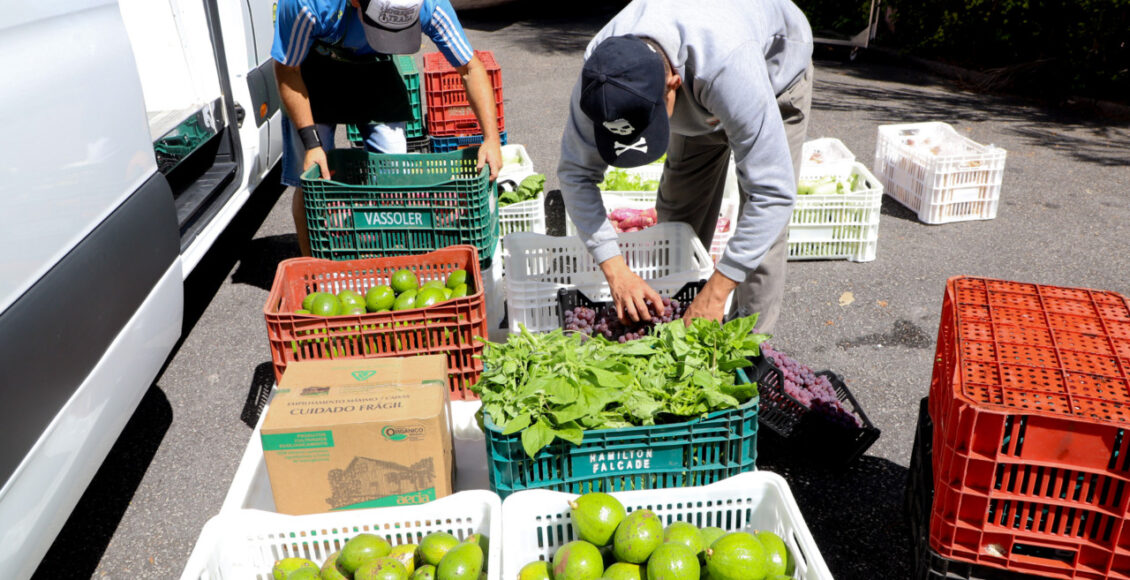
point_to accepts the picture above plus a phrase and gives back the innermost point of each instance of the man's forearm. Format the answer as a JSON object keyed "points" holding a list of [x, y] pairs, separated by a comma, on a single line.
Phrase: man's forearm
{"points": [[292, 91], [480, 93]]}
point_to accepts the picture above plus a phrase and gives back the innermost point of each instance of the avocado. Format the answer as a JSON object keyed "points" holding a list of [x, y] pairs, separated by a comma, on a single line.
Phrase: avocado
{"points": [[435, 545], [595, 516], [537, 570], [463, 562], [736, 556], [637, 536], [673, 561], [686, 534], [777, 554], [577, 560]]}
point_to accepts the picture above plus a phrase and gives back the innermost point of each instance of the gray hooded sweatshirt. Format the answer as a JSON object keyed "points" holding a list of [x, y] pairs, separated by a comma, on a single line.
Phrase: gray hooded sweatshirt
{"points": [[734, 57]]}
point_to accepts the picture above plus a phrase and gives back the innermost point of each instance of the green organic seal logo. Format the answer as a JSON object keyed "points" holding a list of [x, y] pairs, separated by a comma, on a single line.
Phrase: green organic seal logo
{"points": [[392, 434], [403, 432], [362, 375]]}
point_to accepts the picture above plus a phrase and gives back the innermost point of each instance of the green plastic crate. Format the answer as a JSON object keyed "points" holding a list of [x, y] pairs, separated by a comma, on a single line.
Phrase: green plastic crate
{"points": [[411, 76], [390, 205], [697, 452]]}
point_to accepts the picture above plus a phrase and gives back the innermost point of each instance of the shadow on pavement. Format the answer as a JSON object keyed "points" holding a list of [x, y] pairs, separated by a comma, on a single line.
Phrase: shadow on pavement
{"points": [[856, 515], [545, 27], [208, 277], [260, 257], [261, 382], [81, 543], [1086, 138]]}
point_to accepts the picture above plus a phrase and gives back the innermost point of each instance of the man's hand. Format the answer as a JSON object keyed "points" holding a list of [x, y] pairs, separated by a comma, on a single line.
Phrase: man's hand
{"points": [[711, 302], [629, 291], [490, 153], [317, 156]]}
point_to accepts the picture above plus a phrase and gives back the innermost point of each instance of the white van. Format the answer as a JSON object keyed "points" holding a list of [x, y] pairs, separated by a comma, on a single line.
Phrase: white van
{"points": [[133, 131]]}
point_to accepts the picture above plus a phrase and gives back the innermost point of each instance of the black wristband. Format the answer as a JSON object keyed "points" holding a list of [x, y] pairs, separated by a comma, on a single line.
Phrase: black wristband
{"points": [[310, 138]]}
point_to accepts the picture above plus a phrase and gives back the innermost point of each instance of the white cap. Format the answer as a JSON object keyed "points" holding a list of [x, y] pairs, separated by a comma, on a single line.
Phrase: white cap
{"points": [[392, 26]]}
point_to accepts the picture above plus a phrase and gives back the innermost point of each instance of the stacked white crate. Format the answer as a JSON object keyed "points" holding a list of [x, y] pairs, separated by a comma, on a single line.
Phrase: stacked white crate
{"points": [[938, 174], [843, 226]]}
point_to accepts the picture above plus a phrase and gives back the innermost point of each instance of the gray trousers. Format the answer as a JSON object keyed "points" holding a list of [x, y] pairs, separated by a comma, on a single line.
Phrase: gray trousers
{"points": [[694, 178]]}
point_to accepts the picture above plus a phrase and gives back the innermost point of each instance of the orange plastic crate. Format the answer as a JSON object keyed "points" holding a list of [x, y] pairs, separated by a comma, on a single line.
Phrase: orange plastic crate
{"points": [[1030, 398], [447, 328], [449, 112]]}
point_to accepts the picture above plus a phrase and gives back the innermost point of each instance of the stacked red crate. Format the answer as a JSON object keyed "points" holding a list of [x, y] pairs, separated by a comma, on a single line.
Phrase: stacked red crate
{"points": [[1030, 399]]}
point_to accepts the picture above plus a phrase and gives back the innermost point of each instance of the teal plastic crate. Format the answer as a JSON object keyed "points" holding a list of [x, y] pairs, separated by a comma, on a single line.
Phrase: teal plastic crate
{"points": [[697, 452], [390, 205], [411, 77]]}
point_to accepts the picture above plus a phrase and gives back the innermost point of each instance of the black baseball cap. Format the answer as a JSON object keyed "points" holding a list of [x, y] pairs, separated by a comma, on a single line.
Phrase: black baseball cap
{"points": [[623, 85]]}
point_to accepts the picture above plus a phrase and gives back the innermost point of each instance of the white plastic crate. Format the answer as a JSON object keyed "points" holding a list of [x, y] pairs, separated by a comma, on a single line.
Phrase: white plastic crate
{"points": [[524, 216], [521, 164], [250, 493], [537, 522], [838, 226], [645, 199], [667, 255], [825, 156], [246, 543], [939, 174]]}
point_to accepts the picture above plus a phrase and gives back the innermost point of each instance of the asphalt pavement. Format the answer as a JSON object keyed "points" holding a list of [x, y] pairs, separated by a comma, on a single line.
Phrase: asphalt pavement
{"points": [[1062, 221]]}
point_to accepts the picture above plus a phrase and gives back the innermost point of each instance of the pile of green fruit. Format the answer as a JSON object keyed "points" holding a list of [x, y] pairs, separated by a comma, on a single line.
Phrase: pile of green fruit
{"points": [[439, 556], [617, 545], [403, 292]]}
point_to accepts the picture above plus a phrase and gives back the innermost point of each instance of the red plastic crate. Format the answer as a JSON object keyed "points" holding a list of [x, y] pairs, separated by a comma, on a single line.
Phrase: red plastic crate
{"points": [[1030, 399], [449, 327], [449, 112]]}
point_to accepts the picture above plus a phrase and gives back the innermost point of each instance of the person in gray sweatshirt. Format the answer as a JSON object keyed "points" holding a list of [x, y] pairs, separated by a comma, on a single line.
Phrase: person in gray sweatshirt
{"points": [[696, 80]]}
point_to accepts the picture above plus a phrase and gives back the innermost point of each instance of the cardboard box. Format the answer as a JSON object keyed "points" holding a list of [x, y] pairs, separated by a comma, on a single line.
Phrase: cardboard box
{"points": [[359, 433]]}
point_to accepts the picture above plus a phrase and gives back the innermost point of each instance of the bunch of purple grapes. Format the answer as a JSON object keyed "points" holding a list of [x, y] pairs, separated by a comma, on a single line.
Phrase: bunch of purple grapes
{"points": [[810, 389], [604, 322]]}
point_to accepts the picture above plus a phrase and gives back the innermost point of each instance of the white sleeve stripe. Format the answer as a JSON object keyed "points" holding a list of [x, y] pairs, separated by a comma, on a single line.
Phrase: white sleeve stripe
{"points": [[458, 46], [299, 35]]}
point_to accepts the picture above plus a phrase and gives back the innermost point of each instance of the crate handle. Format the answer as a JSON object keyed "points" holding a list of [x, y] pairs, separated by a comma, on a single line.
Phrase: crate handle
{"points": [[1039, 554]]}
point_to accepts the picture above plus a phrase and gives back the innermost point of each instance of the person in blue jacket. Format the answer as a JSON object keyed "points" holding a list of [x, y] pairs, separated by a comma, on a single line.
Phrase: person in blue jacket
{"points": [[327, 74]]}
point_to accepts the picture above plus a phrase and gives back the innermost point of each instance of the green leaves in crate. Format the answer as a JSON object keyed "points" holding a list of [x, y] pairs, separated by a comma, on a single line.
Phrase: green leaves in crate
{"points": [[558, 385]]}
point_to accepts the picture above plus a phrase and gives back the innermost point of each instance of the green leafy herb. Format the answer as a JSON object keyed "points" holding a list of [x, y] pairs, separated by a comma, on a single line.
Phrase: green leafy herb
{"points": [[557, 385]]}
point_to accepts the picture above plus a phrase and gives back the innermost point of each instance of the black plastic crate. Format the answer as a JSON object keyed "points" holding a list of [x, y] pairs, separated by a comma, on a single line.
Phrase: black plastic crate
{"points": [[928, 564], [420, 145], [570, 298], [809, 436]]}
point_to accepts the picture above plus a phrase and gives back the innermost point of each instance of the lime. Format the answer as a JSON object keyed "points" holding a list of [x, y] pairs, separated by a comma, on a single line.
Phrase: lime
{"points": [[406, 300], [447, 292], [434, 284], [325, 305], [302, 311], [349, 299], [379, 298], [456, 278], [360, 549], [429, 297], [404, 280], [352, 310], [459, 291], [309, 299]]}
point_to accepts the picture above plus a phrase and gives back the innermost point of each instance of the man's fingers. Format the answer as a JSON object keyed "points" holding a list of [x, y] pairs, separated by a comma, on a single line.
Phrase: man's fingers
{"points": [[641, 307]]}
